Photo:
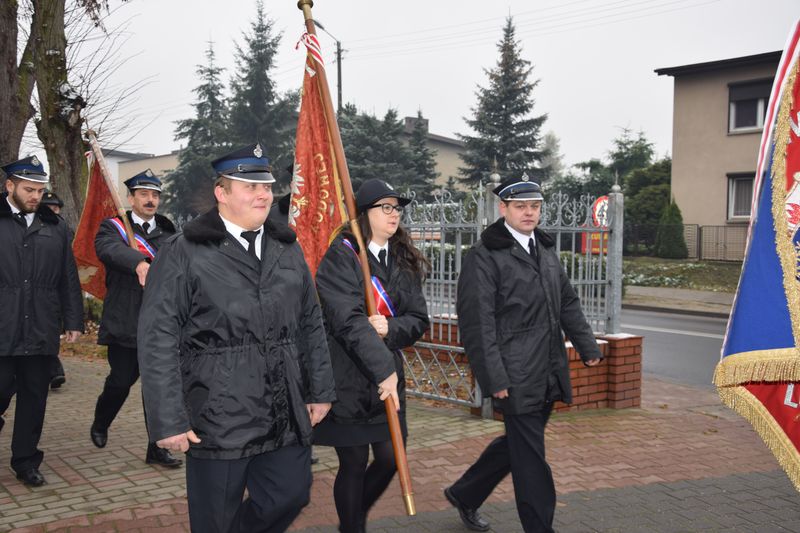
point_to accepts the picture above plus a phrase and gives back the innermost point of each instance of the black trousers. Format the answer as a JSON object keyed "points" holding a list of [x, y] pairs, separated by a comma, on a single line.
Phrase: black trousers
{"points": [[29, 377], [278, 485], [521, 452], [123, 375], [56, 368]]}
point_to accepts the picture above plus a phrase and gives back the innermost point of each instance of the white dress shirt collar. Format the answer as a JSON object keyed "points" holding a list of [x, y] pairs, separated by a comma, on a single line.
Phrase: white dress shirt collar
{"points": [[139, 220], [521, 238], [375, 250], [14, 210], [236, 232]]}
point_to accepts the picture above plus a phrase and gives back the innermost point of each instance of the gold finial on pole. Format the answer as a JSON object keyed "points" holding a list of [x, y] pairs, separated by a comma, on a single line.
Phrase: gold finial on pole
{"points": [[305, 6]]}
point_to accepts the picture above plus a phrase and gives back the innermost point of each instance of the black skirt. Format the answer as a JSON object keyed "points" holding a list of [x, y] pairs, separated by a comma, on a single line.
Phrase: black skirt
{"points": [[332, 433]]}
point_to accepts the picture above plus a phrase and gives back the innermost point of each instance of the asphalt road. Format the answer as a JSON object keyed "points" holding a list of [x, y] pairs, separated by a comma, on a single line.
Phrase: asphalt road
{"points": [[680, 348]]}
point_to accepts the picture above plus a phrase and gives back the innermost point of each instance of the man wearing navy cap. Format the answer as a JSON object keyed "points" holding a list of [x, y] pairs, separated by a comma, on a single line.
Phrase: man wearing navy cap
{"points": [[514, 300], [41, 294], [234, 357], [126, 273]]}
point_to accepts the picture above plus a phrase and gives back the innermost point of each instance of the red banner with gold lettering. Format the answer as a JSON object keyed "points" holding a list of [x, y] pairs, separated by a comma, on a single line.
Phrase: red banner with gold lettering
{"points": [[317, 209], [98, 206]]}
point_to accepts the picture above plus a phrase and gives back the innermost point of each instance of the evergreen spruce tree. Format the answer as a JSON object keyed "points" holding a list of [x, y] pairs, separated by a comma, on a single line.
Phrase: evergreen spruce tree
{"points": [[670, 243], [189, 187], [423, 163], [394, 160], [258, 113], [374, 147], [505, 130]]}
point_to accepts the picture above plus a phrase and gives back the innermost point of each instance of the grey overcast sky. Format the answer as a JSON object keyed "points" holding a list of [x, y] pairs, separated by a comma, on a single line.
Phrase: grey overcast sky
{"points": [[594, 59]]}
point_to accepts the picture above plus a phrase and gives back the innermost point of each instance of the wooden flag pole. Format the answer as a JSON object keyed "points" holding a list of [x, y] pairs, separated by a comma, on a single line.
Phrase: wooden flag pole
{"points": [[112, 187], [349, 200]]}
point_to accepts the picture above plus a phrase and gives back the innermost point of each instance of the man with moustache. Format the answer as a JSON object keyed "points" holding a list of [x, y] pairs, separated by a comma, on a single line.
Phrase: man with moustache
{"points": [[234, 356], [126, 274], [514, 300], [40, 294]]}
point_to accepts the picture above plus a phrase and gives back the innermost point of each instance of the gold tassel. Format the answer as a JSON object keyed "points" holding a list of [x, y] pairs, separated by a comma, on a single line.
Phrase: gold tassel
{"points": [[782, 364], [743, 402]]}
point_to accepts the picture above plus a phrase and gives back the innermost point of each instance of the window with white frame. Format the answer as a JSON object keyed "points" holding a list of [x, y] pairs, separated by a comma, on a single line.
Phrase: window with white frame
{"points": [[747, 105], [740, 196]]}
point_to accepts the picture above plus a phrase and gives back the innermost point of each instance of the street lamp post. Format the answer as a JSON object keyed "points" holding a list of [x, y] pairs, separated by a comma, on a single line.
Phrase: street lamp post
{"points": [[338, 67]]}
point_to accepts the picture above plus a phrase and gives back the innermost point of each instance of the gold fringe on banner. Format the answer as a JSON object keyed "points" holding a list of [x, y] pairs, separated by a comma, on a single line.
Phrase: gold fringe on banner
{"points": [[743, 402], [782, 364], [783, 239]]}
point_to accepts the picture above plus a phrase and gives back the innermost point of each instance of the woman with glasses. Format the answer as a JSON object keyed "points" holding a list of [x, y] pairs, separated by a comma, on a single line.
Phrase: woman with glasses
{"points": [[365, 350]]}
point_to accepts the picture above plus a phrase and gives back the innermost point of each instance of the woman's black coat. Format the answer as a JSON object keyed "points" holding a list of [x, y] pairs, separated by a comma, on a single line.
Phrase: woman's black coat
{"points": [[360, 358]]}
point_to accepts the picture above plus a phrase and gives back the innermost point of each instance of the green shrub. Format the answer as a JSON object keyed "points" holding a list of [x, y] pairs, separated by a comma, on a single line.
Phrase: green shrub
{"points": [[670, 243]]}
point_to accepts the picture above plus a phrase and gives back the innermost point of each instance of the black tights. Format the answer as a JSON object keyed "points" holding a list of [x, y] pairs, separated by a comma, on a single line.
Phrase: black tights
{"points": [[358, 486]]}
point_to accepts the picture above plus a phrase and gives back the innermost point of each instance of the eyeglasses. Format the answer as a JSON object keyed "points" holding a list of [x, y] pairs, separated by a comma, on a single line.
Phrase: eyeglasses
{"points": [[388, 209]]}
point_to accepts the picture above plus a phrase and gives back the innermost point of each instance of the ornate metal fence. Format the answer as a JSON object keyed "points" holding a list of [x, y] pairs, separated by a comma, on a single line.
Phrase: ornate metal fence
{"points": [[444, 229]]}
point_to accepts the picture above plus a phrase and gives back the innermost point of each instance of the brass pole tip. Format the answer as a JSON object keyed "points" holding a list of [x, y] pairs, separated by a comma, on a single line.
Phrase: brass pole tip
{"points": [[411, 509], [301, 3]]}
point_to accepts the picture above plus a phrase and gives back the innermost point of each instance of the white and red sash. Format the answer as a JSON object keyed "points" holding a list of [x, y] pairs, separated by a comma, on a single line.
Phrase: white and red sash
{"points": [[382, 300], [142, 245]]}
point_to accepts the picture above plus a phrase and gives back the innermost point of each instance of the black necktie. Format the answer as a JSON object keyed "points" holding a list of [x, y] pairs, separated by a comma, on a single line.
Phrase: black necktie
{"points": [[20, 218], [382, 258], [532, 249], [250, 237], [146, 227]]}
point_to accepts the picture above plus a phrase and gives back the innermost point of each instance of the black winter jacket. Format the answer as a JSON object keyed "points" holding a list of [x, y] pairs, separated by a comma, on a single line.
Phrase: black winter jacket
{"points": [[231, 347], [511, 313], [360, 358], [40, 293], [124, 293]]}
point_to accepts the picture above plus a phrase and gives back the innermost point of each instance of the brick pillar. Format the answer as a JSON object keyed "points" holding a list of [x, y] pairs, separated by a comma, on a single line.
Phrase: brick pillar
{"points": [[624, 365]]}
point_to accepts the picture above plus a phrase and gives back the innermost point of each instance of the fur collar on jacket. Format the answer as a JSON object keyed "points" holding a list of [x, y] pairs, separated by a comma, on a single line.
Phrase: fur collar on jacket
{"points": [[44, 212], [497, 236], [209, 227], [161, 221]]}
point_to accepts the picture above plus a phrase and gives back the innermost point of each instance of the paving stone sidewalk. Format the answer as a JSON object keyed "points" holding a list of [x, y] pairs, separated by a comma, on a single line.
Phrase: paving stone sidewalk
{"points": [[682, 462]]}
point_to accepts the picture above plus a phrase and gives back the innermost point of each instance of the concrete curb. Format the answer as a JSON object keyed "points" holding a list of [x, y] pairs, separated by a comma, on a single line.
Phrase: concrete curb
{"points": [[678, 311]]}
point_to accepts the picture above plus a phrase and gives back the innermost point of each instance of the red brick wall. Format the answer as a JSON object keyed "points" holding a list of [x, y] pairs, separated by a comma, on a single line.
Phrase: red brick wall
{"points": [[615, 383]]}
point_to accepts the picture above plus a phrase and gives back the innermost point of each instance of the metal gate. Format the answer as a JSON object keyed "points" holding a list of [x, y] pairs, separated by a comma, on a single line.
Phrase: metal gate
{"points": [[445, 228]]}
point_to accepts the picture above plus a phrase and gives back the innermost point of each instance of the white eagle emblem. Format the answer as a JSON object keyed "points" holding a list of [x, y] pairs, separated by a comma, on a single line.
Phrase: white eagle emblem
{"points": [[257, 151]]}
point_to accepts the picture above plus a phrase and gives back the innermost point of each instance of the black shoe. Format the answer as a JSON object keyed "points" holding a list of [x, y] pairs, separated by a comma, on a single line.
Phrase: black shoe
{"points": [[471, 517], [160, 456], [57, 381], [32, 477], [99, 436]]}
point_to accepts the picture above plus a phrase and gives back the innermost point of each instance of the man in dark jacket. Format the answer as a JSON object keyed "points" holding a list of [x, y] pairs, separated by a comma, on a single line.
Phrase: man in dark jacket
{"points": [[41, 294], [126, 271], [514, 299], [57, 376], [234, 358]]}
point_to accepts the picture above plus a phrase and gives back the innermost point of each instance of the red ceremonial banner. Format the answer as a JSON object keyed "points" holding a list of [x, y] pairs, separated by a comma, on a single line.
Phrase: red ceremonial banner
{"points": [[98, 206], [317, 208]]}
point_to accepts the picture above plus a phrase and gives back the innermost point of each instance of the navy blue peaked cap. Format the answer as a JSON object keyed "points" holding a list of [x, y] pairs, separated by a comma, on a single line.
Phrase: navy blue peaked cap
{"points": [[29, 168], [245, 164], [522, 188], [144, 180]]}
